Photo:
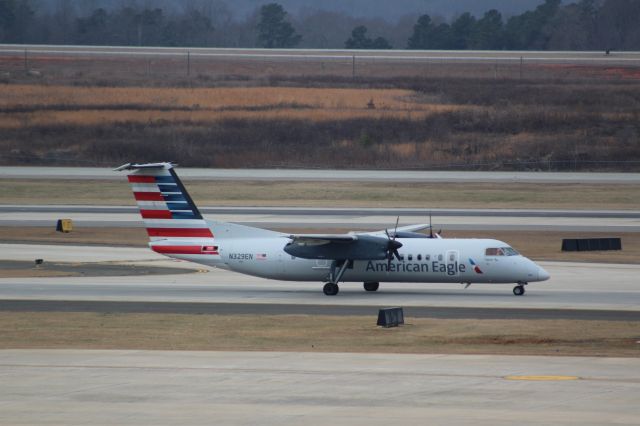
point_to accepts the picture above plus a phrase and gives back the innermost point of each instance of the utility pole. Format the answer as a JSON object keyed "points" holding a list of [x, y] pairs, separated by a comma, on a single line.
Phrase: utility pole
{"points": [[188, 63]]}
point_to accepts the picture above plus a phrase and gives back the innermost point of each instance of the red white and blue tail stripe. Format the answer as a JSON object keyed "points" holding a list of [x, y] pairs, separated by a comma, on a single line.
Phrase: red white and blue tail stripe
{"points": [[173, 221]]}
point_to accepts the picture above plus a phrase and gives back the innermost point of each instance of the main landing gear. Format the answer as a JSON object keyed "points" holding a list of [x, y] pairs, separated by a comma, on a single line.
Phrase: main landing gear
{"points": [[371, 286], [330, 289], [335, 275], [519, 289]]}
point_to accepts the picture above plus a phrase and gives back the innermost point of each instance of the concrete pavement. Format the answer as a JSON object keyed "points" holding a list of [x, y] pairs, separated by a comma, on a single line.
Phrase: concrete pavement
{"points": [[81, 387]]}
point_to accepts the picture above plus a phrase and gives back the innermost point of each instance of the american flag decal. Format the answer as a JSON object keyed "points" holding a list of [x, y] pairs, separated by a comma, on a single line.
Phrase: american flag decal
{"points": [[261, 256]]}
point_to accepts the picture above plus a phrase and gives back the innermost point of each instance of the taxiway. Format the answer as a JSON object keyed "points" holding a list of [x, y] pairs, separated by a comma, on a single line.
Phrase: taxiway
{"points": [[191, 173], [362, 218], [583, 286], [75, 387]]}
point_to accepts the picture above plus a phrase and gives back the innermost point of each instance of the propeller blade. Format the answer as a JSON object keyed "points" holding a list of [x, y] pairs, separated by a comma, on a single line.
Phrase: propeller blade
{"points": [[397, 255], [395, 230], [430, 226]]}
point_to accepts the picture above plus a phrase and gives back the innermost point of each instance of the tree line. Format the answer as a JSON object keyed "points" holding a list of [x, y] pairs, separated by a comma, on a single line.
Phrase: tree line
{"points": [[581, 25]]}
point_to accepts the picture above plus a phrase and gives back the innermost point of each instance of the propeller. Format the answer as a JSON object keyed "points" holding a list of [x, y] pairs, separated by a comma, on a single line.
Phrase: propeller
{"points": [[393, 245], [430, 226]]}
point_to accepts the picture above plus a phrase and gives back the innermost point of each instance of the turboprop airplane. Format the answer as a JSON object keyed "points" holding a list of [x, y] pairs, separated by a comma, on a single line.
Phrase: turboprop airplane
{"points": [[177, 229]]}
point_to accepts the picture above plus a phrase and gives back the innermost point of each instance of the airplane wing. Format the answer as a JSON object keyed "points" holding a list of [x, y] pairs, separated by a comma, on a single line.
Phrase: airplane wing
{"points": [[341, 246], [319, 239]]}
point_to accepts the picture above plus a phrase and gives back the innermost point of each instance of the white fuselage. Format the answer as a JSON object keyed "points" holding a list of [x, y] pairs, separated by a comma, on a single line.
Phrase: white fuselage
{"points": [[430, 260]]}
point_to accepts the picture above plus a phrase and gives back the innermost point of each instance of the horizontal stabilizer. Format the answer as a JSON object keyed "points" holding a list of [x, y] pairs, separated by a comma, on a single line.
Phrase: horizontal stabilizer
{"points": [[136, 166]]}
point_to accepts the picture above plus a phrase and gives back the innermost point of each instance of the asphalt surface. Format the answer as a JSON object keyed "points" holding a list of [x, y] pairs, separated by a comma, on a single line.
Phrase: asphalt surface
{"points": [[348, 218], [27, 172], [80, 387], [322, 310], [325, 211], [573, 286], [591, 221]]}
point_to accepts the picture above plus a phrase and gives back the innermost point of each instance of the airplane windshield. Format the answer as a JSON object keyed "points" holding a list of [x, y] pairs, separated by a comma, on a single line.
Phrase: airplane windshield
{"points": [[510, 251], [501, 251]]}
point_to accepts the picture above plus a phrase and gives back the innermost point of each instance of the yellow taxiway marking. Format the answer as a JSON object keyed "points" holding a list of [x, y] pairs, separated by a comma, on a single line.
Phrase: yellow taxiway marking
{"points": [[542, 378]]}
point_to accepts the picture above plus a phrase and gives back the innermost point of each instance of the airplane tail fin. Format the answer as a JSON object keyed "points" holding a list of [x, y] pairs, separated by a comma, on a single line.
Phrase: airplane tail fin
{"points": [[173, 222]]}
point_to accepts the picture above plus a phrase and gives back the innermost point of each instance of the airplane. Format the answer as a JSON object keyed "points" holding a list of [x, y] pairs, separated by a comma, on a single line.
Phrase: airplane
{"points": [[177, 229]]}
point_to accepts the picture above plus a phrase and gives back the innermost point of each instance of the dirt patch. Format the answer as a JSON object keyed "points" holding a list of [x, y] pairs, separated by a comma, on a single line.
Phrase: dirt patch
{"points": [[23, 269], [312, 334]]}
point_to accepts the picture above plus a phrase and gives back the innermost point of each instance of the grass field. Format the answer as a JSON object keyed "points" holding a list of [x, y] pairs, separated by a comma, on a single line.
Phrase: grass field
{"points": [[313, 334], [35, 105], [338, 194], [417, 122]]}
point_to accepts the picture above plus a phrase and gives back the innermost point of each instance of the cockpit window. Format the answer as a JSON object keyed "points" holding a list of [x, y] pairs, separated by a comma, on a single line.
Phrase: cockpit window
{"points": [[501, 251], [509, 251]]}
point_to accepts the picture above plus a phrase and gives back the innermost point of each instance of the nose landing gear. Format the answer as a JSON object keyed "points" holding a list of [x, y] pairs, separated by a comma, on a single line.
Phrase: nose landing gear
{"points": [[519, 289]]}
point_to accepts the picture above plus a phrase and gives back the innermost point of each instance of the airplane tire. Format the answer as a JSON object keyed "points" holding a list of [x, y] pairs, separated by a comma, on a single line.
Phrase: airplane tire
{"points": [[518, 290], [330, 289], [371, 286]]}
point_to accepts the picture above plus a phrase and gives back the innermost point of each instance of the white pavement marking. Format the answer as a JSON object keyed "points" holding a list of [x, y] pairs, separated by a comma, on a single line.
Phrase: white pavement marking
{"points": [[79, 387], [572, 285]]}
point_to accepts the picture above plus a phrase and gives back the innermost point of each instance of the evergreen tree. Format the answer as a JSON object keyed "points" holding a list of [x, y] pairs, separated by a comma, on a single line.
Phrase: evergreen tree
{"points": [[461, 30], [422, 32], [525, 31], [359, 40], [94, 29], [16, 18], [427, 35], [273, 30], [488, 32]]}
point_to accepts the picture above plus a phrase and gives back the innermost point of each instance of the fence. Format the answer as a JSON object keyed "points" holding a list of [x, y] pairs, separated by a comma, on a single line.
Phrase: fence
{"points": [[86, 62]]}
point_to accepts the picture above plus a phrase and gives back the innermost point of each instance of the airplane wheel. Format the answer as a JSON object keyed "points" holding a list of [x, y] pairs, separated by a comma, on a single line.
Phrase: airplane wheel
{"points": [[331, 289], [518, 290], [371, 286]]}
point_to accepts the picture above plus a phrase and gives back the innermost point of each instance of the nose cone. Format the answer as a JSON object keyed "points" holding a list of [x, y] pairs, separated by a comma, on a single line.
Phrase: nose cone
{"points": [[542, 274]]}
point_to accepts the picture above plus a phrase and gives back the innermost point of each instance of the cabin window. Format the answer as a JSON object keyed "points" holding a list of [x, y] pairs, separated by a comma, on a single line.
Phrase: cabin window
{"points": [[427, 257], [440, 257], [419, 257], [410, 257]]}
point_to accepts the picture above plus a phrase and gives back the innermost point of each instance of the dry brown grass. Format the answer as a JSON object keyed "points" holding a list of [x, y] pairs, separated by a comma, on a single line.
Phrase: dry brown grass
{"points": [[324, 121], [338, 194], [48, 105], [34, 95], [96, 117], [316, 334]]}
